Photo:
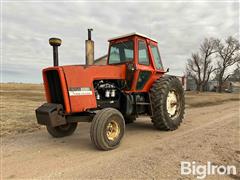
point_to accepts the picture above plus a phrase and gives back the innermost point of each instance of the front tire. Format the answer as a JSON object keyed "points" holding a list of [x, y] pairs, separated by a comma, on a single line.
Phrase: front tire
{"points": [[62, 131], [168, 103], [107, 129]]}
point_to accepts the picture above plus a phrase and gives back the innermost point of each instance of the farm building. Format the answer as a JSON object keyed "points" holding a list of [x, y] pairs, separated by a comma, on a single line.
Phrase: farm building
{"points": [[236, 86], [212, 85], [101, 61], [191, 85]]}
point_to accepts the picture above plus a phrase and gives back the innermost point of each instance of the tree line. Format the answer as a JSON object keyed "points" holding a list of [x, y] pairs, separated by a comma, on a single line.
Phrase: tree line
{"points": [[213, 61]]}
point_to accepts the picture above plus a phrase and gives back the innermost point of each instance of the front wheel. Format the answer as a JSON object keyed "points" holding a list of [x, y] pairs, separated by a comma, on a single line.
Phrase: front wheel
{"points": [[107, 129], [63, 130]]}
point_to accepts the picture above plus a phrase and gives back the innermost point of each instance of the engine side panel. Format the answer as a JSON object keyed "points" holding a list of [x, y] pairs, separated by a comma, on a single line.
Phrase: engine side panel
{"points": [[79, 80]]}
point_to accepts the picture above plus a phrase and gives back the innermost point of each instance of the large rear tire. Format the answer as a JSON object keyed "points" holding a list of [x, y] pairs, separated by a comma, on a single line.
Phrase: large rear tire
{"points": [[107, 129], [168, 103], [62, 131]]}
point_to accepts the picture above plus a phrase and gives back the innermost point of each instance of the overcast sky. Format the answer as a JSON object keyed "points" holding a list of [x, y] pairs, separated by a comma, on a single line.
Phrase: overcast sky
{"points": [[179, 28]]}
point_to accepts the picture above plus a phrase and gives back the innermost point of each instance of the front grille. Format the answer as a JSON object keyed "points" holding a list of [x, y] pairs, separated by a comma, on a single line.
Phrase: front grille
{"points": [[55, 88]]}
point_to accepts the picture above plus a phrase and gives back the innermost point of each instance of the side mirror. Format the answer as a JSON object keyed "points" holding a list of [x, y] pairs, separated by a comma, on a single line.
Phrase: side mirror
{"points": [[167, 70]]}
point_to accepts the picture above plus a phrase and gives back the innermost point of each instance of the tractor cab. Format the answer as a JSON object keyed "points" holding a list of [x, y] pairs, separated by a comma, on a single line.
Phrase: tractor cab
{"points": [[135, 48], [141, 56]]}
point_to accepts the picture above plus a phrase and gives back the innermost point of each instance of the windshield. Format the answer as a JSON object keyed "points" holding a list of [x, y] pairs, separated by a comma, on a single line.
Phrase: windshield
{"points": [[121, 52], [156, 56]]}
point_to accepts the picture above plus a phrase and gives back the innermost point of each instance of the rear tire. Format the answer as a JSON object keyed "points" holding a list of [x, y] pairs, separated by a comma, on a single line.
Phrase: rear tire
{"points": [[168, 103], [107, 129], [62, 131]]}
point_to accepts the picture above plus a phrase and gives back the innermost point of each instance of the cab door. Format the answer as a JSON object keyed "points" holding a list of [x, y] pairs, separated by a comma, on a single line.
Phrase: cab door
{"points": [[144, 67]]}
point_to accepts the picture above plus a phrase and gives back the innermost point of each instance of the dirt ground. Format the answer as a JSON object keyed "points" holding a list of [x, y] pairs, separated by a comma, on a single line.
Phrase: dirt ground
{"points": [[210, 132]]}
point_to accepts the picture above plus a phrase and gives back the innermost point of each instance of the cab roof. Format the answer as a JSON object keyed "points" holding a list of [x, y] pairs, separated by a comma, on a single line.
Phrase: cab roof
{"points": [[132, 34]]}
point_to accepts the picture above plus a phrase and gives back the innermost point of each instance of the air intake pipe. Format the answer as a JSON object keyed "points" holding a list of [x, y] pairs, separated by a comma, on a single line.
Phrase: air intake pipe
{"points": [[89, 47], [55, 42]]}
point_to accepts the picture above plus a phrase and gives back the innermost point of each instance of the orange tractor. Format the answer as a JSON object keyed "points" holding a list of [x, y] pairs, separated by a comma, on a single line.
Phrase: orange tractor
{"points": [[131, 84]]}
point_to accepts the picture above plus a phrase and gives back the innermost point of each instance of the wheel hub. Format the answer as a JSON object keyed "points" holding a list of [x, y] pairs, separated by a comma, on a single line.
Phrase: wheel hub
{"points": [[172, 103], [113, 130]]}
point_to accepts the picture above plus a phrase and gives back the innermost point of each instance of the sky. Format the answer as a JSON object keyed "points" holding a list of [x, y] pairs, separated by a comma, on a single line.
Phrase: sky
{"points": [[178, 26]]}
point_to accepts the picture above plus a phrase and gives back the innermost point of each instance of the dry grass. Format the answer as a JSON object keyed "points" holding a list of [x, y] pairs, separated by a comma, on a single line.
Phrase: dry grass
{"points": [[19, 102], [195, 99], [21, 86]]}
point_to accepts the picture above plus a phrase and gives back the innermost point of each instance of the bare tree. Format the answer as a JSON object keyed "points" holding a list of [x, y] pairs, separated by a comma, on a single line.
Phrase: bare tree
{"points": [[235, 76], [199, 66], [228, 54]]}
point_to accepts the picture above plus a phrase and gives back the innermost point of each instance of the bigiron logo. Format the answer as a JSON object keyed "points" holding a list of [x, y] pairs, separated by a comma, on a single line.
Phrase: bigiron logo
{"points": [[202, 171]]}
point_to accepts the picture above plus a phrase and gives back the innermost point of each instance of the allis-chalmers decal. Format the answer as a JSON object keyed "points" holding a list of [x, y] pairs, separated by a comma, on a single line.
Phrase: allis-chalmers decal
{"points": [[79, 91]]}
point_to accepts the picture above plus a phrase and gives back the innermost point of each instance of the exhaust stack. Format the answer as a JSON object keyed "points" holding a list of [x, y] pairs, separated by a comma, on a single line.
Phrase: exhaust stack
{"points": [[89, 47], [55, 42]]}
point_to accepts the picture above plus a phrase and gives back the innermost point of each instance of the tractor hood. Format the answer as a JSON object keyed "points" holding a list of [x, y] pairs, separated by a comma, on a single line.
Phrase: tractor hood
{"points": [[72, 86]]}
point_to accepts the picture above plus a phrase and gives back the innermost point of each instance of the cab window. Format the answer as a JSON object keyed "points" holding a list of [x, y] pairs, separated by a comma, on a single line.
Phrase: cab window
{"points": [[121, 52], [156, 56], [142, 53]]}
